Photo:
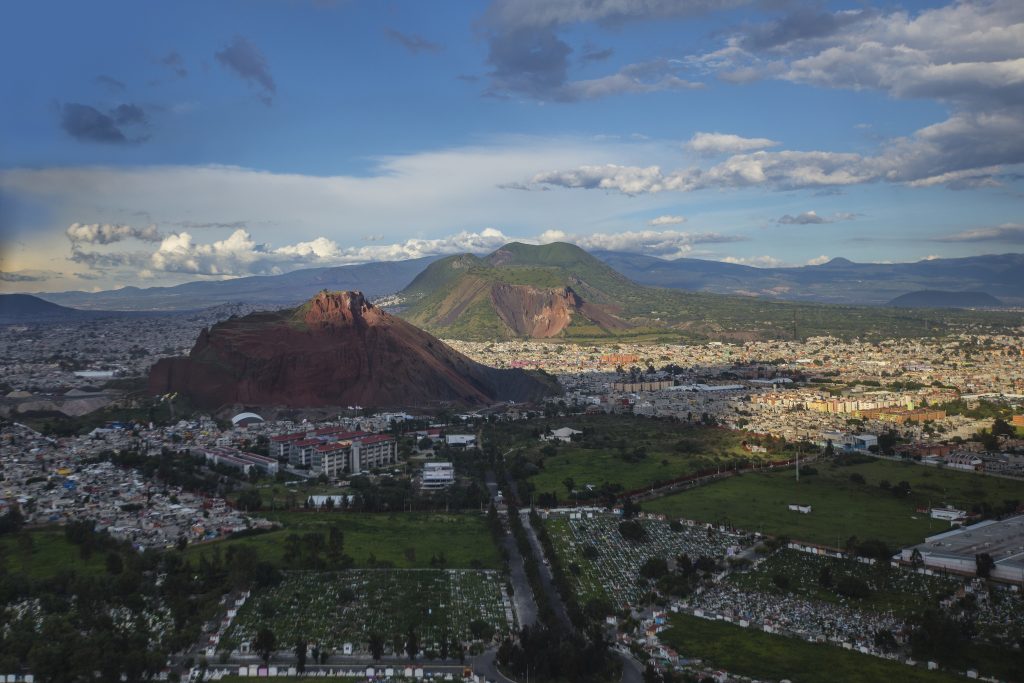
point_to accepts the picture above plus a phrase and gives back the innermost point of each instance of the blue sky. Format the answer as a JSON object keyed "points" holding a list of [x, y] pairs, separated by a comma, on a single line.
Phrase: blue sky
{"points": [[155, 143]]}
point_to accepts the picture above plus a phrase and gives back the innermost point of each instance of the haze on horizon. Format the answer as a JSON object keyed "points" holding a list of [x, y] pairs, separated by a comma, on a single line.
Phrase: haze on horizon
{"points": [[157, 144]]}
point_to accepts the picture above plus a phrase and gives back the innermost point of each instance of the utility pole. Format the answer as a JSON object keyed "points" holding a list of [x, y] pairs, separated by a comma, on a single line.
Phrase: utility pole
{"points": [[798, 465]]}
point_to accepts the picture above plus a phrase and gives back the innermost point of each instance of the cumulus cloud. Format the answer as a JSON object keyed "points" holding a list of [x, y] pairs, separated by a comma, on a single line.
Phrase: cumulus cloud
{"points": [[240, 254], [1007, 232], [666, 220], [812, 218], [756, 261], [670, 244], [413, 43], [246, 61], [88, 124], [105, 233], [725, 143], [106, 260], [819, 260]]}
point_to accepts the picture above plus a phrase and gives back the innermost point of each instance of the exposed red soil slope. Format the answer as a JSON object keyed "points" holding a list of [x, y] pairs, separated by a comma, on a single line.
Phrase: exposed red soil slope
{"points": [[335, 350]]}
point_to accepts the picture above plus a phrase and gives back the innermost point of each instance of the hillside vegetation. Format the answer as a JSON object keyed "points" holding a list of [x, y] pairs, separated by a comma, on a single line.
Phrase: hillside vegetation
{"points": [[563, 292]]}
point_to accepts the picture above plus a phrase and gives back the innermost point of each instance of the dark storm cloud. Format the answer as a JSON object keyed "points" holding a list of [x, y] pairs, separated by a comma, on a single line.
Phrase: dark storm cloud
{"points": [[529, 62], [128, 114], [803, 24], [248, 63], [89, 124], [413, 43]]}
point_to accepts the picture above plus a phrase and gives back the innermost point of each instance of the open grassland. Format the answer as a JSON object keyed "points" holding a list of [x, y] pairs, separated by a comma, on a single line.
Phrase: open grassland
{"points": [[761, 655], [632, 452], [841, 507], [49, 554], [402, 540]]}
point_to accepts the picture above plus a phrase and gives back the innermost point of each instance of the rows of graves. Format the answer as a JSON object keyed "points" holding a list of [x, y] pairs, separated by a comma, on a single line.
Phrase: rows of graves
{"points": [[817, 576], [340, 610], [610, 564]]}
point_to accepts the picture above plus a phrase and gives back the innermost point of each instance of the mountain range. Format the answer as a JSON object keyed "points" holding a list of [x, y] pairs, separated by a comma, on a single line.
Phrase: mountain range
{"points": [[838, 281], [336, 349]]}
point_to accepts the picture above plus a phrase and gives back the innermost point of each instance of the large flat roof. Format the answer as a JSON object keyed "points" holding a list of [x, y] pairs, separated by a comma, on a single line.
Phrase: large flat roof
{"points": [[1002, 539]]}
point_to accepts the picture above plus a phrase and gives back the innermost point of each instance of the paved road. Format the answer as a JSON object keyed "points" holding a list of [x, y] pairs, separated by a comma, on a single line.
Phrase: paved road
{"points": [[546, 578], [525, 603]]}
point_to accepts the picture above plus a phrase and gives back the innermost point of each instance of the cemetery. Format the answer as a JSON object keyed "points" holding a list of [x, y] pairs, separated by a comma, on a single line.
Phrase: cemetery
{"points": [[890, 589], [610, 564], [340, 610]]}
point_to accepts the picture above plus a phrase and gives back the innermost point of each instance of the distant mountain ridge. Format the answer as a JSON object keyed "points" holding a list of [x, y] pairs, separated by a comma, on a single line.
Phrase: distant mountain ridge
{"points": [[288, 289], [560, 291], [837, 281], [936, 299]]}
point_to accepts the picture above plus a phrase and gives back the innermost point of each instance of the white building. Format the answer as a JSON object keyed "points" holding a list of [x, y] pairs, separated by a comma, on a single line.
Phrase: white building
{"points": [[437, 476], [461, 440]]}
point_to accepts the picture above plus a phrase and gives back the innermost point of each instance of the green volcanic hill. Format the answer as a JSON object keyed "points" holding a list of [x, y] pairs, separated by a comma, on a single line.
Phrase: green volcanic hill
{"points": [[559, 291]]}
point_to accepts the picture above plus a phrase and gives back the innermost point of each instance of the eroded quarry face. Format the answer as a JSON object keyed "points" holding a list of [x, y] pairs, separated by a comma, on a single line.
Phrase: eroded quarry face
{"points": [[534, 312]]}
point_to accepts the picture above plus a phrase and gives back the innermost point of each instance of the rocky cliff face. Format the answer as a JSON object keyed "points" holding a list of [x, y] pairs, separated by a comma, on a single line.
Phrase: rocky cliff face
{"points": [[335, 350]]}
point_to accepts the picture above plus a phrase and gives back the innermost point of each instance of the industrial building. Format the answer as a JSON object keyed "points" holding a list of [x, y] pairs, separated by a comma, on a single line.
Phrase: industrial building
{"points": [[957, 551]]}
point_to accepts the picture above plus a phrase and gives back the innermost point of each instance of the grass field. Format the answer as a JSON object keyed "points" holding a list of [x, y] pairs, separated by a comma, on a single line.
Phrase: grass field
{"points": [[762, 655], [51, 554], [406, 540], [603, 456], [841, 508]]}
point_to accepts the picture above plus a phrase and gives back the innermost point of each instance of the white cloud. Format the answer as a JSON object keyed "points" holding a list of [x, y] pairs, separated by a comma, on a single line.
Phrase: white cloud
{"points": [[756, 261], [726, 143], [105, 233], [819, 260], [666, 220], [1007, 233]]}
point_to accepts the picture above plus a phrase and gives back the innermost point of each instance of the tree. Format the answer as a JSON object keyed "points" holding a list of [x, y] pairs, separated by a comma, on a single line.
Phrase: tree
{"points": [[265, 644], [825, 577], [376, 646], [830, 449], [916, 560], [985, 564], [300, 655], [654, 568], [412, 644], [885, 640], [115, 565], [570, 484]]}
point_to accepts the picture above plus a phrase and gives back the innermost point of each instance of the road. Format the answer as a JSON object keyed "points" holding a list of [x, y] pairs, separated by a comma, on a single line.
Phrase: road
{"points": [[522, 596], [546, 578]]}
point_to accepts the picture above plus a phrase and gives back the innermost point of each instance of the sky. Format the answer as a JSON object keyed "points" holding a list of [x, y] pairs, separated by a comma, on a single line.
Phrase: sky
{"points": [[150, 144]]}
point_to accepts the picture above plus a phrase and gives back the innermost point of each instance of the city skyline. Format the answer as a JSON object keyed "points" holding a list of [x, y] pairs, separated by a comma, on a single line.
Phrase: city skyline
{"points": [[152, 146]]}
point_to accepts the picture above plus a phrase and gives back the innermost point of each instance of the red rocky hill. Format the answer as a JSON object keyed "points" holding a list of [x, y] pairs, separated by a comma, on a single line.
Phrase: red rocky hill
{"points": [[337, 349]]}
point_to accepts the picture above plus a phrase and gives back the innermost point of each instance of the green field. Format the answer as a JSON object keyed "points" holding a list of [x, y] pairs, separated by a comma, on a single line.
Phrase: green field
{"points": [[405, 540], [51, 555], [758, 654], [605, 454], [841, 508]]}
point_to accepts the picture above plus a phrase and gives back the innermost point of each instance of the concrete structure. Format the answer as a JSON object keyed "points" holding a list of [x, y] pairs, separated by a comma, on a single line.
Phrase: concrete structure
{"points": [[461, 440], [241, 460], [564, 434], [359, 453], [956, 551], [437, 476]]}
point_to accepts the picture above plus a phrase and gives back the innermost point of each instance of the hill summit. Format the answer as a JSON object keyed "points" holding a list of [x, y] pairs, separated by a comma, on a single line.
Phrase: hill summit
{"points": [[520, 290], [337, 349]]}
